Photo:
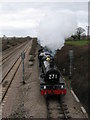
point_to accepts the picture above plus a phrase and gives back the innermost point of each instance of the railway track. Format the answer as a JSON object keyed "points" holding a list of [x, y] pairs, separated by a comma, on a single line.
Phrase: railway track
{"points": [[5, 84], [12, 64], [56, 108], [9, 76], [9, 55]]}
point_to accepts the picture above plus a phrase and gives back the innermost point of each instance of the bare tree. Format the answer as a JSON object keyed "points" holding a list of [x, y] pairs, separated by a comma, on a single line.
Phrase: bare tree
{"points": [[79, 32]]}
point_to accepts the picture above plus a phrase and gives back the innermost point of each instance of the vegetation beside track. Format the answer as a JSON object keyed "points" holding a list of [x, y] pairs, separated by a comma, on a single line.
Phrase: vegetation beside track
{"points": [[32, 52], [77, 42], [34, 47], [13, 41], [79, 81]]}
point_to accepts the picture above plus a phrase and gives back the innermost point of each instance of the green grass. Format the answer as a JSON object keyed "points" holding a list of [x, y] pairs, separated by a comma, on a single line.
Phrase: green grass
{"points": [[77, 43]]}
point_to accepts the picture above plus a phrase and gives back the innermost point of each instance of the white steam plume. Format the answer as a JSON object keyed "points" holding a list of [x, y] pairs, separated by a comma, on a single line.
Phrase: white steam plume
{"points": [[55, 27]]}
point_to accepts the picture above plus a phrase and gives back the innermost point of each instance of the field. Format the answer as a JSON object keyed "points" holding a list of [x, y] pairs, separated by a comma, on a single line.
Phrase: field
{"points": [[12, 42], [77, 43]]}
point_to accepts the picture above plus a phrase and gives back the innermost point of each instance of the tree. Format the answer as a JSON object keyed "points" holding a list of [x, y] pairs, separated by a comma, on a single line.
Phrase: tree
{"points": [[79, 32], [74, 37]]}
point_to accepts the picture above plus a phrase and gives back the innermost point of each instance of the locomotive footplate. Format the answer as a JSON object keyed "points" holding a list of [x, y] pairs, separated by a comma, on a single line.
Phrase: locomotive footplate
{"points": [[55, 89]]}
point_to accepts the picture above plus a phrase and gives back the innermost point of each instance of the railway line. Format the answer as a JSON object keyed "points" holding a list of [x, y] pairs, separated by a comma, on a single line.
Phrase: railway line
{"points": [[9, 54], [10, 74], [9, 78], [56, 108], [9, 63]]}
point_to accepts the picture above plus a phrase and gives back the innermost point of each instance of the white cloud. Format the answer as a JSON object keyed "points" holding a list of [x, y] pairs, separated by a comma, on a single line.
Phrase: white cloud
{"points": [[26, 16], [44, 1]]}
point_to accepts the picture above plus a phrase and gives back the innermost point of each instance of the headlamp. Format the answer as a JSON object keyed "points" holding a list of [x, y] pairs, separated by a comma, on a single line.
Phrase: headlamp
{"points": [[44, 87]]}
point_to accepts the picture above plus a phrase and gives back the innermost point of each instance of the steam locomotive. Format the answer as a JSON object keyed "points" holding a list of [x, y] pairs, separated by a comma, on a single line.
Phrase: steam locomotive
{"points": [[51, 81]]}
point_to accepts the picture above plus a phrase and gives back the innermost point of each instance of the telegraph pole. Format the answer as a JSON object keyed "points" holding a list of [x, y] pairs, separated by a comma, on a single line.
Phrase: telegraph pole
{"points": [[88, 26], [23, 57], [70, 66], [88, 34]]}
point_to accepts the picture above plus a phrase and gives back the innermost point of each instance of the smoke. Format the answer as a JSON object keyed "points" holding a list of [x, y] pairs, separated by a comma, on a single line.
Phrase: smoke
{"points": [[54, 28]]}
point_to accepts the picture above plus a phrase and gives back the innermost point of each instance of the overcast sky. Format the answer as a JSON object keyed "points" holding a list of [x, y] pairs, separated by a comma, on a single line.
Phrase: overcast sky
{"points": [[23, 18]]}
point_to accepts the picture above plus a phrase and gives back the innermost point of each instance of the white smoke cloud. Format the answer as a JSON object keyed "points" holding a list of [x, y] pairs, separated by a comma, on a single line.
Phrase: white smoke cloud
{"points": [[55, 27]]}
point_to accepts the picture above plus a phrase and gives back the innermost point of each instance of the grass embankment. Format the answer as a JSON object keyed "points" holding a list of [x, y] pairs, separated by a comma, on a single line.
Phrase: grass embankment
{"points": [[77, 43], [34, 47], [32, 52], [79, 81]]}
